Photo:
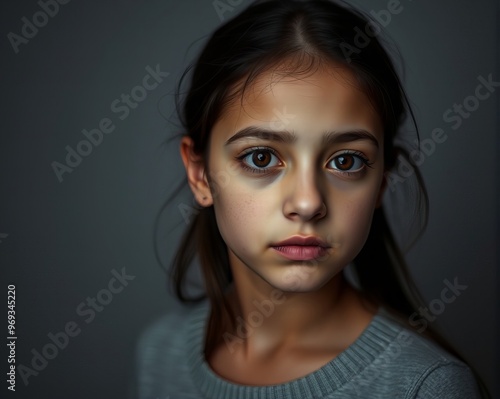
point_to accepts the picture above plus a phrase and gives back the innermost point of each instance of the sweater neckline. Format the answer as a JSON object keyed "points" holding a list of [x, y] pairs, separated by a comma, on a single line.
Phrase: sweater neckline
{"points": [[318, 384]]}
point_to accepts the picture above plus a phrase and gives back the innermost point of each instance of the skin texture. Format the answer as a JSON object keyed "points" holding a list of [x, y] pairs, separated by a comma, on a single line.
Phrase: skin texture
{"points": [[305, 192]]}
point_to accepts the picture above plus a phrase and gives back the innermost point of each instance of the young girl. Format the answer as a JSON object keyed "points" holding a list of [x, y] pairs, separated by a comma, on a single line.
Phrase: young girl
{"points": [[290, 128]]}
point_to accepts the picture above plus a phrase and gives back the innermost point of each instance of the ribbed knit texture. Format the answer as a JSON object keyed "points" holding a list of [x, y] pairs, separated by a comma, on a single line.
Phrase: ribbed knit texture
{"points": [[386, 361]]}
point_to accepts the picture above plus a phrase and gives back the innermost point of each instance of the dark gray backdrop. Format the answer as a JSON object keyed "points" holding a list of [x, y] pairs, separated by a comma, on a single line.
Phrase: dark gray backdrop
{"points": [[61, 242]]}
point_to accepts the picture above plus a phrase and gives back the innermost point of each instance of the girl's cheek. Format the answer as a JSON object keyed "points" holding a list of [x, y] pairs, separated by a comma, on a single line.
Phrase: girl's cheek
{"points": [[352, 214], [236, 210]]}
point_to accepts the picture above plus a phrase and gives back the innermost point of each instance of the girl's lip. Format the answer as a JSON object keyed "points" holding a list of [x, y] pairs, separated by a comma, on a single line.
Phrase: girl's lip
{"points": [[301, 252], [309, 241]]}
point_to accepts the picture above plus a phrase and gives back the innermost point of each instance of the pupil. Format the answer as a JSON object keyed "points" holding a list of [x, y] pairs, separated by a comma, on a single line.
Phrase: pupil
{"points": [[261, 158], [345, 162]]}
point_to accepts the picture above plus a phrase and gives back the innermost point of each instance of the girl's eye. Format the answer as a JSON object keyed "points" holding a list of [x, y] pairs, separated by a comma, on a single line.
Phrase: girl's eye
{"points": [[349, 162], [259, 160]]}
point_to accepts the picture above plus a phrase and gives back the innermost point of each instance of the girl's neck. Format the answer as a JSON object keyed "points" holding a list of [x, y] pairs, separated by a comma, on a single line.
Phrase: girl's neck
{"points": [[330, 318]]}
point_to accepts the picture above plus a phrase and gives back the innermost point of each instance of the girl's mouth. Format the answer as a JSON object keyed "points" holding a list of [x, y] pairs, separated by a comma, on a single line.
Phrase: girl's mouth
{"points": [[301, 252]]}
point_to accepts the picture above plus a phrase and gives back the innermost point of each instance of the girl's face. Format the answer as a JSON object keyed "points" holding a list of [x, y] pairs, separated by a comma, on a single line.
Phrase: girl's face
{"points": [[298, 157]]}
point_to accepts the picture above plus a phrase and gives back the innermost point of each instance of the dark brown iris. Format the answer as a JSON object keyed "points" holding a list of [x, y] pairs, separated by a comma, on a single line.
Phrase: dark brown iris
{"points": [[344, 162], [261, 159]]}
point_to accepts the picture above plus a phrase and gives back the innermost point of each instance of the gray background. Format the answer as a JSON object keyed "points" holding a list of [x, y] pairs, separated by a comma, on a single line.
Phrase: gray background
{"points": [[64, 239]]}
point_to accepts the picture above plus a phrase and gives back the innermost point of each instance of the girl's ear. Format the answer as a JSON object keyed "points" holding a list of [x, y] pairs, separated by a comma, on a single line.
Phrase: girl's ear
{"points": [[195, 170]]}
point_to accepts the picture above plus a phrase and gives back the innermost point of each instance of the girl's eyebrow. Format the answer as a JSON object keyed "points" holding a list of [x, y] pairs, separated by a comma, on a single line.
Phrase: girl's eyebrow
{"points": [[329, 138]]}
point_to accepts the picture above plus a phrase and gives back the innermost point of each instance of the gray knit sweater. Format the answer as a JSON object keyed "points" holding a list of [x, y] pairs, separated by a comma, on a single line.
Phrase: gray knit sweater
{"points": [[386, 361]]}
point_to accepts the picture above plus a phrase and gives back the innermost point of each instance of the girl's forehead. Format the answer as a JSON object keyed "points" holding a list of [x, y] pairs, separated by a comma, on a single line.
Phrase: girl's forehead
{"points": [[320, 89], [327, 98]]}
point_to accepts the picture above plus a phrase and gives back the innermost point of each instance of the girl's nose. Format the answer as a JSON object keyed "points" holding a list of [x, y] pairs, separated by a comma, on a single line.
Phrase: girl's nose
{"points": [[304, 200]]}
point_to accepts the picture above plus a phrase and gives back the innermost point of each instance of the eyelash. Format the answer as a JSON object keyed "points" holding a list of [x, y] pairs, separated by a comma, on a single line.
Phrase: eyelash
{"points": [[357, 154]]}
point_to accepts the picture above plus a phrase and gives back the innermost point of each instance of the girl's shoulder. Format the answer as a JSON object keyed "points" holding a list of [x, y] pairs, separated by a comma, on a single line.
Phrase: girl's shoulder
{"points": [[160, 354], [420, 366], [410, 342]]}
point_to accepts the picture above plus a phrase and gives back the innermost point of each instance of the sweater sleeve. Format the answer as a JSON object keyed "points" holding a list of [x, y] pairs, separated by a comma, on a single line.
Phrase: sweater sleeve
{"points": [[447, 381]]}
